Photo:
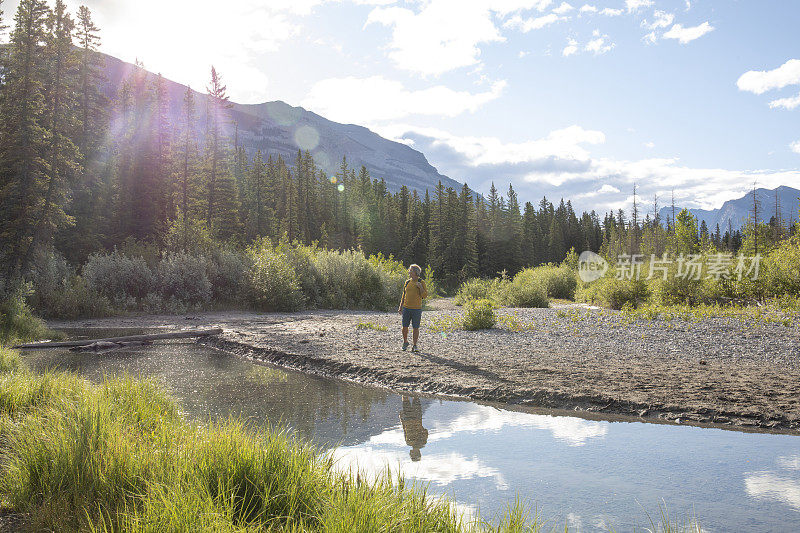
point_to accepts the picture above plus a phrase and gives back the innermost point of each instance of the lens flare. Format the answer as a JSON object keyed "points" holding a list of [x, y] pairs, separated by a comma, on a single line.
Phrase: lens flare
{"points": [[333, 180], [340, 187], [306, 137]]}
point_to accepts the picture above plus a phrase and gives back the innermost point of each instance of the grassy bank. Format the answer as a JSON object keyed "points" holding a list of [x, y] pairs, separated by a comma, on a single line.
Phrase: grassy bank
{"points": [[117, 456]]}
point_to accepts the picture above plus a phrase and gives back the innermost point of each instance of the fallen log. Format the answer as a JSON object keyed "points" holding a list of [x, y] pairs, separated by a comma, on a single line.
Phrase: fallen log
{"points": [[128, 338]]}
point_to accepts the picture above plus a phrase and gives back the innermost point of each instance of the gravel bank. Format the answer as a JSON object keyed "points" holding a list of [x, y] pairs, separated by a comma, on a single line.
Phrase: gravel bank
{"points": [[727, 371]]}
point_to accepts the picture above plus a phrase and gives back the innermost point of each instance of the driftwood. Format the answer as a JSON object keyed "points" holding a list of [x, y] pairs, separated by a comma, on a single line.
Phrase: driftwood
{"points": [[126, 339], [106, 346]]}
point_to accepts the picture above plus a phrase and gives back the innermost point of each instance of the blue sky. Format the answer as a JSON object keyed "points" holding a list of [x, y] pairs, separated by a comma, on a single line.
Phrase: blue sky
{"points": [[573, 99]]}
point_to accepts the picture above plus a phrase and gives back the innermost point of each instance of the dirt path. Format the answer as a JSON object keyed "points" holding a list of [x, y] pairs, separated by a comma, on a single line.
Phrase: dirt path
{"points": [[715, 371]]}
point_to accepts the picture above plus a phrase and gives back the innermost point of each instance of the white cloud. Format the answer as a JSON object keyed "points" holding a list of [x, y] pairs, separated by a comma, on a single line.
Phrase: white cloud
{"points": [[606, 188], [661, 19], [770, 486], [795, 146], [560, 164], [587, 8], [563, 8], [183, 52], [650, 38], [761, 81], [522, 53], [366, 100], [571, 48], [685, 35], [650, 144], [634, 5], [531, 23], [598, 45], [786, 103], [609, 12], [445, 35]]}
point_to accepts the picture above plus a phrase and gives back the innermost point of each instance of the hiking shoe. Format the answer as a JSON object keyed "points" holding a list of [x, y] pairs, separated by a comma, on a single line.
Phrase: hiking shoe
{"points": [[414, 348], [405, 346]]}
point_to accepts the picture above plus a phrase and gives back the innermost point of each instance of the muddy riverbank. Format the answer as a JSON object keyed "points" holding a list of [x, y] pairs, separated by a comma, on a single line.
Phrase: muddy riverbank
{"points": [[721, 371]]}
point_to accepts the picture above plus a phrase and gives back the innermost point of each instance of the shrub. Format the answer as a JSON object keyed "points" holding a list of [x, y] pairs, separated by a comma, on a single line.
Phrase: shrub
{"points": [[780, 273], [524, 292], [274, 285], [559, 281], [478, 289], [117, 276], [479, 315], [185, 277], [17, 323], [228, 271], [614, 293]]}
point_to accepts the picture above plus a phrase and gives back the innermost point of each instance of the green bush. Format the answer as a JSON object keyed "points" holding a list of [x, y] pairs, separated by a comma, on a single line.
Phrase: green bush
{"points": [[184, 277], [17, 323], [274, 285], [614, 293], [523, 291], [559, 281], [478, 289], [118, 277], [228, 271], [780, 272], [479, 315]]}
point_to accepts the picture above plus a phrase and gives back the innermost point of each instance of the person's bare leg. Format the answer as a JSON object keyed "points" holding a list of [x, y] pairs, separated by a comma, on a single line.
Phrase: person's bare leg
{"points": [[405, 335], [416, 335]]}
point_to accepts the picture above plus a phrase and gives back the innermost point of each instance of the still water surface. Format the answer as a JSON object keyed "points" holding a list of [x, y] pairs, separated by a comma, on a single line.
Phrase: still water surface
{"points": [[593, 475]]}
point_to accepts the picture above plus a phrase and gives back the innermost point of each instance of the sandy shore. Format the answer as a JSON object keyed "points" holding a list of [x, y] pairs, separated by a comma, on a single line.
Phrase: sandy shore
{"points": [[725, 371]]}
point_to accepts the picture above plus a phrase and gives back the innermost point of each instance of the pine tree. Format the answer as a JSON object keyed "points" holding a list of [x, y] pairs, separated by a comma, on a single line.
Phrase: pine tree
{"points": [[218, 103], [187, 161], [24, 148], [62, 156], [88, 191], [513, 222]]}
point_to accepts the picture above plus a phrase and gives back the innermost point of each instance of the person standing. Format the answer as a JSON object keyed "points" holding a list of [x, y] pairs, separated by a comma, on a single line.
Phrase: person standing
{"points": [[414, 291]]}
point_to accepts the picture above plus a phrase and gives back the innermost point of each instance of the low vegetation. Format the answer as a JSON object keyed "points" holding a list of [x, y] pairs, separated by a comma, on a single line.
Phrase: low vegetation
{"points": [[776, 285], [118, 456], [283, 277]]}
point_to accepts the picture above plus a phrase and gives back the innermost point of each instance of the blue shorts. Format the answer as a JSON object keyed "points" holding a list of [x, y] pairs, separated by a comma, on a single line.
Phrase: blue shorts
{"points": [[411, 315]]}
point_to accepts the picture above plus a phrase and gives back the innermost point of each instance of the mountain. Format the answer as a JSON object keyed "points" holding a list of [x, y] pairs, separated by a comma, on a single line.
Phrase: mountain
{"points": [[737, 211], [278, 128]]}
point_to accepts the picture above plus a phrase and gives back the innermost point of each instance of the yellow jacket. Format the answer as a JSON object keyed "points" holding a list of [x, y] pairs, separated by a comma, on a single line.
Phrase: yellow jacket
{"points": [[412, 295]]}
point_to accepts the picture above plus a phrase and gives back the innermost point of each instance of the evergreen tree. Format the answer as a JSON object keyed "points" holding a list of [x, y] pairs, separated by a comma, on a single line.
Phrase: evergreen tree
{"points": [[24, 145], [63, 158], [187, 161], [221, 193]]}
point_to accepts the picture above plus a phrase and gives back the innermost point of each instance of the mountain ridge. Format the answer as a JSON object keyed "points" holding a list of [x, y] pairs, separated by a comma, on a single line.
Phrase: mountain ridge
{"points": [[278, 128], [734, 213]]}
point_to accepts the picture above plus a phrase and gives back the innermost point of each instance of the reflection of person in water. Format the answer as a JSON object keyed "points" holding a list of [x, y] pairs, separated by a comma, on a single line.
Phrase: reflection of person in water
{"points": [[411, 418]]}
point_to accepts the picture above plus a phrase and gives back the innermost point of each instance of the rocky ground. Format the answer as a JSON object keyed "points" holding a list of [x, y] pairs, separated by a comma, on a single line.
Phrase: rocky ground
{"points": [[729, 371]]}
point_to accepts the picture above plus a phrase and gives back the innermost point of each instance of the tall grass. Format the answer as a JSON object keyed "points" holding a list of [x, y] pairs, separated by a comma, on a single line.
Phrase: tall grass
{"points": [[117, 456]]}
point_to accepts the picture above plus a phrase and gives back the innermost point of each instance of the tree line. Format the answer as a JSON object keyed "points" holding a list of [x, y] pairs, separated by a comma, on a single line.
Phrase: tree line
{"points": [[84, 171]]}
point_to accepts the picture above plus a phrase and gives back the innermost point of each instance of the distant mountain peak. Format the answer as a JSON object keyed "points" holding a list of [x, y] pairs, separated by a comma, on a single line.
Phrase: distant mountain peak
{"points": [[278, 128], [734, 213]]}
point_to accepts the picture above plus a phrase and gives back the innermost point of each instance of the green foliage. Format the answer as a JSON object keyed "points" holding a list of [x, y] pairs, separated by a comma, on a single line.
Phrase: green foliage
{"points": [[557, 281], [478, 289], [274, 285], [614, 293], [17, 323], [371, 325], [117, 276], [479, 315], [525, 291], [185, 277]]}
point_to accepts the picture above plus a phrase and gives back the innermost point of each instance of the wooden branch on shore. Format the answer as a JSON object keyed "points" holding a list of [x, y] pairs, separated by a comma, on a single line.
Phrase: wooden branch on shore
{"points": [[129, 338]]}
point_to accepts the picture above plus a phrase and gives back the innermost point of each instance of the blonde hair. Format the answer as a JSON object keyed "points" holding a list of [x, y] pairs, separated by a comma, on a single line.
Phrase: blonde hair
{"points": [[416, 268]]}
